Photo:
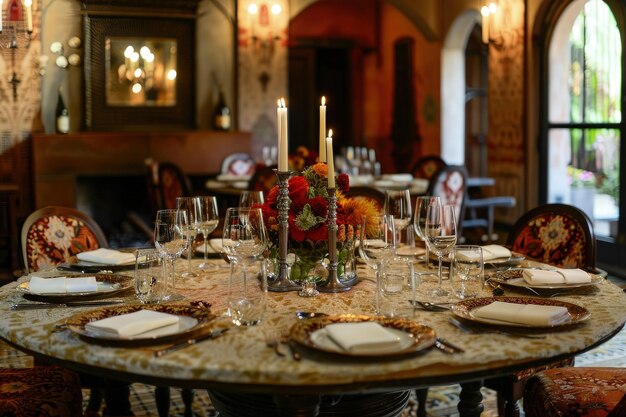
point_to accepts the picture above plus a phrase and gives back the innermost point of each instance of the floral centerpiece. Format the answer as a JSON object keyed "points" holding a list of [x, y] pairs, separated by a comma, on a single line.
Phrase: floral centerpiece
{"points": [[308, 215]]}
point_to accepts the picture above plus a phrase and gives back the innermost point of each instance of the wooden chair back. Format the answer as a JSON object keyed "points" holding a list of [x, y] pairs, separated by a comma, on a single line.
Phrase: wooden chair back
{"points": [[556, 234], [53, 234], [165, 181], [427, 166]]}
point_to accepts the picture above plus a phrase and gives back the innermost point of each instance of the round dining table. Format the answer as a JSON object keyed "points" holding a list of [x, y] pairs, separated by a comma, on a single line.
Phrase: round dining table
{"points": [[250, 371]]}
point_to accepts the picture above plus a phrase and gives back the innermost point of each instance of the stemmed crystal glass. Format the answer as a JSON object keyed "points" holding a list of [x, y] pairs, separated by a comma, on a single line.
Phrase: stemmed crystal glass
{"points": [[419, 220], [186, 204], [244, 240], [244, 236], [378, 241], [398, 205], [171, 238], [251, 198], [205, 221], [440, 235]]}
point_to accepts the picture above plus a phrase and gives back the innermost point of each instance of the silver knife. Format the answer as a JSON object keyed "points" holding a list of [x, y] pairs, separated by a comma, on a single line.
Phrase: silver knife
{"points": [[178, 346], [88, 303], [447, 347]]}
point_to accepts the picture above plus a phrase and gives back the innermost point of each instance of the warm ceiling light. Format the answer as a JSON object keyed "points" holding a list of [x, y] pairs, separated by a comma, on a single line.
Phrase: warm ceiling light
{"points": [[136, 88], [171, 74], [134, 57], [138, 73], [128, 52], [253, 8], [493, 8], [144, 52], [276, 9], [484, 11]]}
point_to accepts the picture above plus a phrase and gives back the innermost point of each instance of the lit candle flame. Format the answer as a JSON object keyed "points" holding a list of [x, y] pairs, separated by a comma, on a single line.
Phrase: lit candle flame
{"points": [[323, 101]]}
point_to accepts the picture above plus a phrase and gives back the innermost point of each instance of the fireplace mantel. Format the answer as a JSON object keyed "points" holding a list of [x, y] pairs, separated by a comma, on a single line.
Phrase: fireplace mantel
{"points": [[58, 160]]}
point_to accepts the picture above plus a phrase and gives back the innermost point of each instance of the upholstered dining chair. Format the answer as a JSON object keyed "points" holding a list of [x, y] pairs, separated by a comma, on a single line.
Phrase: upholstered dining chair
{"points": [[555, 234], [427, 166], [165, 181], [580, 392], [372, 194], [450, 184], [53, 234]]}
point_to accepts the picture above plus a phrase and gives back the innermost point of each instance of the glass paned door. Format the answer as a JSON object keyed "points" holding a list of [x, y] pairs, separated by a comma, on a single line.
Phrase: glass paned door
{"points": [[584, 126]]}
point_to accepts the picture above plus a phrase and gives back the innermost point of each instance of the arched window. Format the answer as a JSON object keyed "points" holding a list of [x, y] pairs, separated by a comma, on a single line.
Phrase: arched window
{"points": [[582, 122]]}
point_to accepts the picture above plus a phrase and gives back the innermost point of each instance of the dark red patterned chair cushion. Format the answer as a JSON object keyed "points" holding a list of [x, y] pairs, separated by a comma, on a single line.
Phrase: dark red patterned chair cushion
{"points": [[554, 238], [576, 392], [53, 239], [39, 392], [449, 184]]}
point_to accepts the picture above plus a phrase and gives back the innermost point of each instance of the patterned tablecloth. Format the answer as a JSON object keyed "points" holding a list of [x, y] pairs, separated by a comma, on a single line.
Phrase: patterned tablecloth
{"points": [[242, 357]]}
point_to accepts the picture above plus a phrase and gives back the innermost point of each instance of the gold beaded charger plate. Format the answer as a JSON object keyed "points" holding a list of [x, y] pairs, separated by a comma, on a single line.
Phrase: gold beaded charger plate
{"points": [[514, 278], [512, 260], [193, 322], [465, 310], [108, 285], [413, 337]]}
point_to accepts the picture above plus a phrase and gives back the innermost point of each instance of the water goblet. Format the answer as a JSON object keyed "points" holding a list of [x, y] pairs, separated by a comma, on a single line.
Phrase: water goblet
{"points": [[171, 238], [398, 204], [186, 204], [467, 271], [378, 240], [205, 221], [251, 199], [150, 284], [419, 220], [440, 234]]}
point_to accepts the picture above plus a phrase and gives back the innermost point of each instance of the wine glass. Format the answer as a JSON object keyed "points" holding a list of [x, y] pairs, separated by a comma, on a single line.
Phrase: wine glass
{"points": [[186, 204], [251, 198], [244, 237], [378, 240], [205, 221], [171, 238], [398, 204], [440, 232], [419, 220]]}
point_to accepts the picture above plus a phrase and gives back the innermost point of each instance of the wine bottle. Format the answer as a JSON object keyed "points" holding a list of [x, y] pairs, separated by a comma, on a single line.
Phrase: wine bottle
{"points": [[221, 114], [62, 116]]}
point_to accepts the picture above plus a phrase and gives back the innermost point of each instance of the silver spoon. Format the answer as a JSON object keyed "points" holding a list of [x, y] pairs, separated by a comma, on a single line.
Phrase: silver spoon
{"points": [[302, 315]]}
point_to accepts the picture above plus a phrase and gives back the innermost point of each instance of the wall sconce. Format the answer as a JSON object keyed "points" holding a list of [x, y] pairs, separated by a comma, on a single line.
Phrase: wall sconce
{"points": [[264, 29], [488, 12], [16, 28]]}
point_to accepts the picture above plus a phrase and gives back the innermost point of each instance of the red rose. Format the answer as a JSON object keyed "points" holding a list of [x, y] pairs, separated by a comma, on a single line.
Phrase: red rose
{"points": [[319, 206], [298, 190], [272, 196], [317, 233]]}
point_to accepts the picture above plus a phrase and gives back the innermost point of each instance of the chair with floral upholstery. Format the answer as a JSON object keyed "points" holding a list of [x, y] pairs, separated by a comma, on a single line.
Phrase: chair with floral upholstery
{"points": [[54, 234], [559, 235], [40, 391], [556, 234], [450, 184], [580, 392]]}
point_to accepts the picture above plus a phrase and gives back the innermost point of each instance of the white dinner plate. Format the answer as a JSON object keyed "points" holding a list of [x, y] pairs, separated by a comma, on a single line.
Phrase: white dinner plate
{"points": [[465, 310], [107, 285], [513, 278], [192, 322], [414, 337]]}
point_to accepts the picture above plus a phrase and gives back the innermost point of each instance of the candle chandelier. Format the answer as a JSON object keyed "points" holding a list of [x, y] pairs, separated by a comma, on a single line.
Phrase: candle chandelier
{"points": [[264, 29], [16, 28]]}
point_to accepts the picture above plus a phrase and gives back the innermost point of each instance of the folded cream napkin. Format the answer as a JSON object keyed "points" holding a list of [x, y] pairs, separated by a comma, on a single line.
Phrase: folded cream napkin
{"points": [[491, 252], [61, 285], [132, 324], [362, 337], [529, 314], [556, 276], [107, 257]]}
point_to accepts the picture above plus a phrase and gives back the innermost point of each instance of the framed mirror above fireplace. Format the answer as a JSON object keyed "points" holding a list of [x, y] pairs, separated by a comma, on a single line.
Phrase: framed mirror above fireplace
{"points": [[139, 64]]}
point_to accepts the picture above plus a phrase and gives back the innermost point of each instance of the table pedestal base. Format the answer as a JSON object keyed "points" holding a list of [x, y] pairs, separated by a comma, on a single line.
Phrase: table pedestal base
{"points": [[279, 405]]}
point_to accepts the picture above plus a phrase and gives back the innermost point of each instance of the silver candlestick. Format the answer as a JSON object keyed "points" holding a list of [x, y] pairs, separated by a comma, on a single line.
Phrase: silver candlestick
{"points": [[332, 284], [282, 282]]}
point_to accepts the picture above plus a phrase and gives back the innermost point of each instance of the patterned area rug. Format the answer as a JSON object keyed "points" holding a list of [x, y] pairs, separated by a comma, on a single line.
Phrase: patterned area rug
{"points": [[441, 400]]}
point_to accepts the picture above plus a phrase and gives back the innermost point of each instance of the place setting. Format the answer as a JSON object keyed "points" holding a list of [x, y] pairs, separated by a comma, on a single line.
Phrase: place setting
{"points": [[546, 281], [99, 260]]}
